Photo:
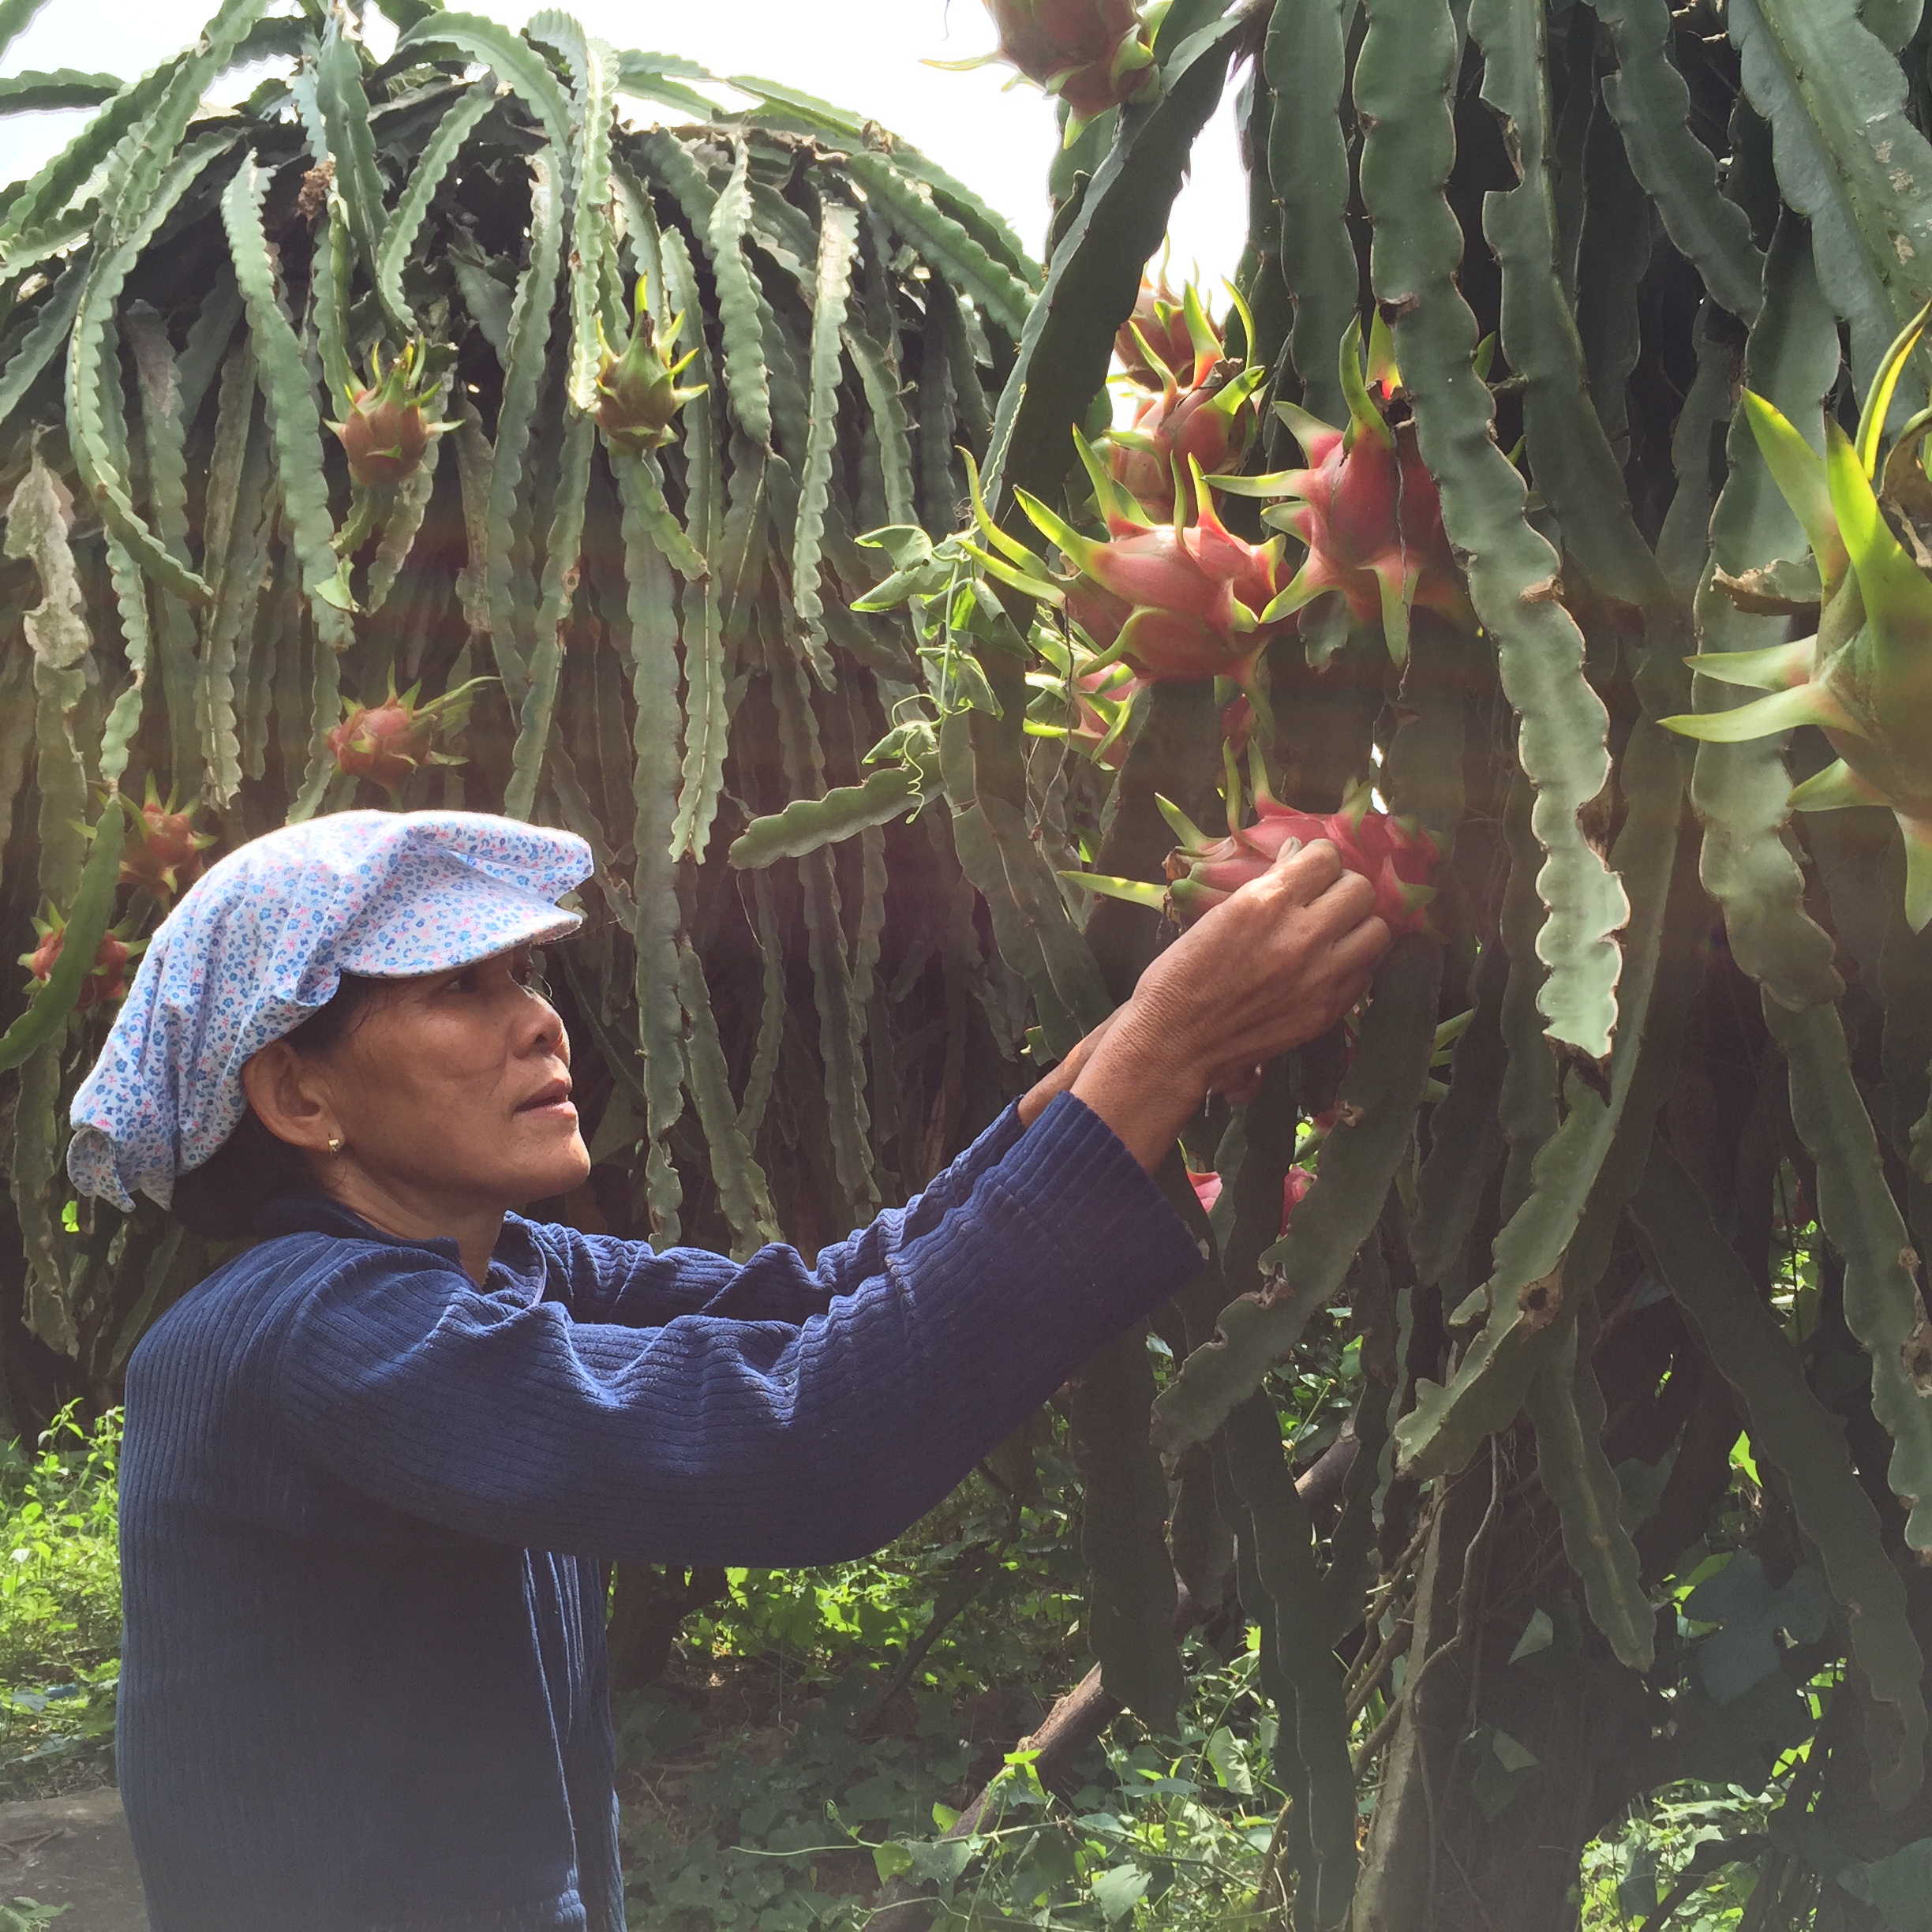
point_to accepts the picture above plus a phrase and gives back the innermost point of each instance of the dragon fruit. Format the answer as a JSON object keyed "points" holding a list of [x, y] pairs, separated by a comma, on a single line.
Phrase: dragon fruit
{"points": [[385, 430], [108, 978], [1394, 854], [1166, 335], [1295, 1185], [165, 856], [1194, 592], [1865, 679], [1366, 507], [389, 741], [638, 395], [1093, 55], [1103, 698], [1212, 424]]}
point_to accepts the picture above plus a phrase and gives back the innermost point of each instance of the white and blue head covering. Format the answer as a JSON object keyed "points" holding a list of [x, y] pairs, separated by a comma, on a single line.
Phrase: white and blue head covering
{"points": [[262, 940]]}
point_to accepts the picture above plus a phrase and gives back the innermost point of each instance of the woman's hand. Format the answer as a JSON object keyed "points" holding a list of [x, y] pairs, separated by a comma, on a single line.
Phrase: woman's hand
{"points": [[1276, 964]]}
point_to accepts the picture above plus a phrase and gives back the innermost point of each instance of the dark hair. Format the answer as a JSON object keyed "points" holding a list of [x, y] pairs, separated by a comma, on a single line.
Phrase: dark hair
{"points": [[220, 1199]]}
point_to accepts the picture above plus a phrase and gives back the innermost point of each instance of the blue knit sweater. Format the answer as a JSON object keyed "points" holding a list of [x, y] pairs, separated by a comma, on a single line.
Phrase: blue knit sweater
{"points": [[366, 1506]]}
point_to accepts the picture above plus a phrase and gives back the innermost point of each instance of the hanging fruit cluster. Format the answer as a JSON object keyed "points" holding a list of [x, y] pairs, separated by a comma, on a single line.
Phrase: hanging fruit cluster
{"points": [[1093, 55]]}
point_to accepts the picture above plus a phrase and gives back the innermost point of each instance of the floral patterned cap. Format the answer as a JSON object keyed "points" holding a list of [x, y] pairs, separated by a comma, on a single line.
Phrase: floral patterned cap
{"points": [[261, 941]]}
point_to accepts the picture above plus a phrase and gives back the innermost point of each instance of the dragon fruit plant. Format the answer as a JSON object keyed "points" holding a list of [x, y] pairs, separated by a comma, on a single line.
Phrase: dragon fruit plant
{"points": [[638, 393], [1864, 678], [385, 431], [106, 980], [1366, 507], [1093, 55], [390, 741]]}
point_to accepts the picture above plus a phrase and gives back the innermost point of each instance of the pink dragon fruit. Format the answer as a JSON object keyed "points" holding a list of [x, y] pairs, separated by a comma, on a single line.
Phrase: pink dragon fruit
{"points": [[1212, 424], [165, 856], [389, 741], [1166, 335], [1394, 854], [1094, 54], [1366, 507], [1193, 593], [384, 432], [107, 979], [1295, 1185]]}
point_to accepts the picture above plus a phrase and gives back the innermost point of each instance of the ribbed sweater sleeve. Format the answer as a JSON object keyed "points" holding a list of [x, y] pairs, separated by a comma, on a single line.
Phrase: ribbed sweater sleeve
{"points": [[717, 1437]]}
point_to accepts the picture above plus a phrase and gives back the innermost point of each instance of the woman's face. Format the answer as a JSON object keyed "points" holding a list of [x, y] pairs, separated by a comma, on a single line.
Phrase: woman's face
{"points": [[455, 1086]]}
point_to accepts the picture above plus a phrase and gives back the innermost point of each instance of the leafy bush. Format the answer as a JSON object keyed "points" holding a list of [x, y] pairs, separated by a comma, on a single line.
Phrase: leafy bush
{"points": [[60, 1607]]}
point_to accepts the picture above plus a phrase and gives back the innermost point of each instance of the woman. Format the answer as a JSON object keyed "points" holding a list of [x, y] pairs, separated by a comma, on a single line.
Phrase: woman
{"points": [[374, 1464]]}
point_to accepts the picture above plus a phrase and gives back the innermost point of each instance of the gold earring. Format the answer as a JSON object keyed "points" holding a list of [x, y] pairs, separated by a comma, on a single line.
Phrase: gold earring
{"points": [[335, 1144]]}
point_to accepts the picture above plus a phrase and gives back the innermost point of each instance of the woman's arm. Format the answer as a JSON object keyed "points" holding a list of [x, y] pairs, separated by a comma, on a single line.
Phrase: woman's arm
{"points": [[711, 1441]]}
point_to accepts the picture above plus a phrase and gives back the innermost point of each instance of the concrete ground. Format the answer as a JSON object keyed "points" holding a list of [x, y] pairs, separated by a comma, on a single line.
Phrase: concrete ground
{"points": [[72, 1851]]}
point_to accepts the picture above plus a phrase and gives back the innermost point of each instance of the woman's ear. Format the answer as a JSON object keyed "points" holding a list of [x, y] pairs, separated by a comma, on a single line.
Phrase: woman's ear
{"points": [[289, 1096]]}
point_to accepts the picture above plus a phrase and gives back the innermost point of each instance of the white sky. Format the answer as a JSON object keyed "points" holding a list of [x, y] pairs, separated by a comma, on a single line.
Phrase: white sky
{"points": [[862, 54]]}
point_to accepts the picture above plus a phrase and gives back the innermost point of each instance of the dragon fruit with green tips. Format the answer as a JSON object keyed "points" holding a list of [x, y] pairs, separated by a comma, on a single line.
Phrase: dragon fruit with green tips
{"points": [[1394, 854], [1167, 335], [1211, 421], [1093, 55], [386, 430], [1865, 678], [1365, 506], [638, 394]]}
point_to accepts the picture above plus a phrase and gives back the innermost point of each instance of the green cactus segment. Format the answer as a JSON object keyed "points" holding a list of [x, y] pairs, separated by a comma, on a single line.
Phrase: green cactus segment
{"points": [[1283, 1540], [345, 110], [563, 557], [296, 423], [1304, 62], [1566, 1407], [399, 239], [650, 613], [1648, 99], [168, 507], [1378, 1101], [1848, 159], [740, 1181], [839, 1020], [1861, 1220], [115, 254], [1534, 1287], [1130, 1596], [44, 339], [1793, 1430], [1095, 275], [747, 380], [838, 241], [528, 342], [1570, 455], [88, 921], [806, 824], [1741, 790], [508, 56], [594, 304], [1404, 80]]}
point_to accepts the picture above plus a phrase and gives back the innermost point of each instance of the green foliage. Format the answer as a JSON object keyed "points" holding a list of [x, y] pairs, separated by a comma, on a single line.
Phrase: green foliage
{"points": [[60, 1607]]}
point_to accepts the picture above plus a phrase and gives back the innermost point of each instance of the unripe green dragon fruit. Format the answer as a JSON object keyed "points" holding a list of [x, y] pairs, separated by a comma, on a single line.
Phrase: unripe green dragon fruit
{"points": [[1366, 507], [1865, 679], [1093, 55], [107, 978], [385, 430], [638, 394], [389, 741]]}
